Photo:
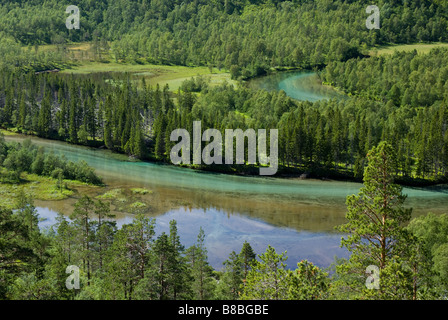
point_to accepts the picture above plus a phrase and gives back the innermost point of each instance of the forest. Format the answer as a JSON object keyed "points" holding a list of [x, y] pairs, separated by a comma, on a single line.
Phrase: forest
{"points": [[328, 138], [247, 37], [398, 98], [393, 107]]}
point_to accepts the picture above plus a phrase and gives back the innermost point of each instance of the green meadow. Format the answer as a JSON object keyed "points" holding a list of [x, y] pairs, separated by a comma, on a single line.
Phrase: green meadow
{"points": [[85, 62], [421, 48]]}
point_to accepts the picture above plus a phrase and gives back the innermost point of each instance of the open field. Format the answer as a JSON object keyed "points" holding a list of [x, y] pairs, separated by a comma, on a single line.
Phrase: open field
{"points": [[421, 48], [85, 63], [171, 75]]}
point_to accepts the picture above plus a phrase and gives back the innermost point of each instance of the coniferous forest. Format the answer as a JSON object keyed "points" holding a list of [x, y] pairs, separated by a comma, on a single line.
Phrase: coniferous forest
{"points": [[387, 129]]}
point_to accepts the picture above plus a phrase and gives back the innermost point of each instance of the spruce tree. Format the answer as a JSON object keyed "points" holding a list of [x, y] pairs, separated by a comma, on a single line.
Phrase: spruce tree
{"points": [[44, 120], [81, 216], [203, 283], [108, 124], [247, 256], [160, 143]]}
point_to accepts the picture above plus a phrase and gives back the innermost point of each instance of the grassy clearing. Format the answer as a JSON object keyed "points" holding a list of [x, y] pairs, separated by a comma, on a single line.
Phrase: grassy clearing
{"points": [[7, 133], [86, 63], [154, 74], [38, 187], [140, 191], [422, 48], [110, 195]]}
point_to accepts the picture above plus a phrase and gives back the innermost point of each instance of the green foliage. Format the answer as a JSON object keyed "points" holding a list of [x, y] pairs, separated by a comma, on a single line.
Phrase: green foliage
{"points": [[130, 263], [308, 282], [231, 279], [375, 229], [246, 257], [399, 98], [197, 84], [235, 272], [27, 157], [327, 138], [268, 278], [16, 253], [230, 34], [431, 230], [203, 284]]}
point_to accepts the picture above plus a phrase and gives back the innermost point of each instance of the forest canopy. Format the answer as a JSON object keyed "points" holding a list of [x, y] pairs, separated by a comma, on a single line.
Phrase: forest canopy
{"points": [[399, 98], [247, 36]]}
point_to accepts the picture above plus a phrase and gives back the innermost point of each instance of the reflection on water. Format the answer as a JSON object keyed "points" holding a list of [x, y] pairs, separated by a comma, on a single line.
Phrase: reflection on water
{"points": [[225, 234], [300, 85], [294, 215]]}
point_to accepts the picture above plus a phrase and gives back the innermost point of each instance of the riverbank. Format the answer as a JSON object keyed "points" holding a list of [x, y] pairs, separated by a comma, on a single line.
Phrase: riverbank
{"points": [[39, 188], [302, 204], [284, 172]]}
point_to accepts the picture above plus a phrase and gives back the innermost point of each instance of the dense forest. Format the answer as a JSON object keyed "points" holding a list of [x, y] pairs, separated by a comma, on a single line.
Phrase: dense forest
{"points": [[397, 98], [246, 37], [389, 126], [326, 138]]}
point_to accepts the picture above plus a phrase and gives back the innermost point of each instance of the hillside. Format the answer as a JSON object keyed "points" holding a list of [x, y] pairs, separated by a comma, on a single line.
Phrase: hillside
{"points": [[163, 44]]}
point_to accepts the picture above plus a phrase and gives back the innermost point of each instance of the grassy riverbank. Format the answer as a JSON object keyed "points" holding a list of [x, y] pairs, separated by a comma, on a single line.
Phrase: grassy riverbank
{"points": [[337, 173], [38, 188]]}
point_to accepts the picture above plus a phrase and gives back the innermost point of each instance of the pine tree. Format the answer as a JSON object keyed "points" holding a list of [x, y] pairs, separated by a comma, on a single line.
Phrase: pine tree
{"points": [[376, 216], [27, 212], [141, 234], [104, 229], [16, 254], [232, 278], [128, 258], [63, 255], [81, 216], [165, 265], [180, 278], [268, 278]]}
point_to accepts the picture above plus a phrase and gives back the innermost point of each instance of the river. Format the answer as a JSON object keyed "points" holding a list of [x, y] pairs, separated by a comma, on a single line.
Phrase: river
{"points": [[293, 215], [300, 85]]}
